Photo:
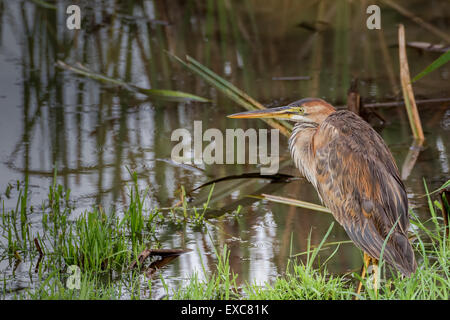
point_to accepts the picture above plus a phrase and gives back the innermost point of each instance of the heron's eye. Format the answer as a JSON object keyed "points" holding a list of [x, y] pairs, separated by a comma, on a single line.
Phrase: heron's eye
{"points": [[300, 110]]}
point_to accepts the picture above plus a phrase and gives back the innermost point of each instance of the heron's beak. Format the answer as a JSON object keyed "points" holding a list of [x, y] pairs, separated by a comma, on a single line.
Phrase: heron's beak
{"points": [[279, 113]]}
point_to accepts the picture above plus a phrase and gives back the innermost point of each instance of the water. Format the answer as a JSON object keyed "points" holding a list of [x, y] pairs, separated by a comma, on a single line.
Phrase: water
{"points": [[93, 132]]}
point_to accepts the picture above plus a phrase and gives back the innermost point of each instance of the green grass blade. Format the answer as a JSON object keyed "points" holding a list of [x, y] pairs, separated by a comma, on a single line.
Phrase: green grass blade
{"points": [[444, 186], [166, 95], [443, 59], [219, 83], [170, 95], [319, 247], [255, 104], [231, 91]]}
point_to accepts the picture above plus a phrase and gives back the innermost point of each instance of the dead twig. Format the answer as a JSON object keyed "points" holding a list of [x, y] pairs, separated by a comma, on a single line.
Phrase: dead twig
{"points": [[157, 252], [356, 105], [354, 98], [41, 255], [158, 264], [38, 247], [402, 103], [391, 104], [419, 21], [426, 46]]}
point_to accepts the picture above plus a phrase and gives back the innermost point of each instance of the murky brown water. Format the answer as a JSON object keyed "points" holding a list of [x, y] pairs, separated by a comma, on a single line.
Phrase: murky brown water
{"points": [[93, 132]]}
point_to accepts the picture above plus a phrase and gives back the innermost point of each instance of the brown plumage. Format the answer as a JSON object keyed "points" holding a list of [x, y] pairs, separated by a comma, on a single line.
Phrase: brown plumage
{"points": [[355, 175]]}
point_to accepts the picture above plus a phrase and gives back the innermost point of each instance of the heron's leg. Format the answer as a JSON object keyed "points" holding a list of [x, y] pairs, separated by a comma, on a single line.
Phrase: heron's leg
{"points": [[375, 276], [366, 259]]}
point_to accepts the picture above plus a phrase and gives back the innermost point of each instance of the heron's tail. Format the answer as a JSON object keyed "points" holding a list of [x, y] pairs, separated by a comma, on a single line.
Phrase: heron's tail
{"points": [[397, 252]]}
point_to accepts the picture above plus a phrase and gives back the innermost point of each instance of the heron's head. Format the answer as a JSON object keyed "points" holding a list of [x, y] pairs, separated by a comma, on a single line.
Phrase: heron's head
{"points": [[312, 110]]}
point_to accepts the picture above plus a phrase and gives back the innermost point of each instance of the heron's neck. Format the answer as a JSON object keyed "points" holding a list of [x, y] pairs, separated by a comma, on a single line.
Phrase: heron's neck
{"points": [[301, 148], [319, 118]]}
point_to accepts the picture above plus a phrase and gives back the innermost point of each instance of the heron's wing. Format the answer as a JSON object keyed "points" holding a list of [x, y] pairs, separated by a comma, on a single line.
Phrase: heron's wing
{"points": [[359, 182]]}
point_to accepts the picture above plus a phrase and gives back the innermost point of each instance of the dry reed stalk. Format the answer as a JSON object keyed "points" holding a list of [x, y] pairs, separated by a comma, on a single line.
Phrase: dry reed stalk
{"points": [[411, 158], [408, 94]]}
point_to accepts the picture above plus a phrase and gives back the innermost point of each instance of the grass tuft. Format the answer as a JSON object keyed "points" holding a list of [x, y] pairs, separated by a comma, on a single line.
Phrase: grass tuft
{"points": [[102, 246]]}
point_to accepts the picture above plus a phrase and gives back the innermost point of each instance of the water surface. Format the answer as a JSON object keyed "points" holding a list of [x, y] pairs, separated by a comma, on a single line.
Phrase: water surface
{"points": [[93, 132]]}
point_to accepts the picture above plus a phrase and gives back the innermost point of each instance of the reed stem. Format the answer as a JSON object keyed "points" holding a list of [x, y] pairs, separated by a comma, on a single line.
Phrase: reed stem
{"points": [[408, 93]]}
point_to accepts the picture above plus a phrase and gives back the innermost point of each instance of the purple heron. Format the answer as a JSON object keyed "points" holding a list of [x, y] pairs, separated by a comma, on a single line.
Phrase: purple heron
{"points": [[355, 176]]}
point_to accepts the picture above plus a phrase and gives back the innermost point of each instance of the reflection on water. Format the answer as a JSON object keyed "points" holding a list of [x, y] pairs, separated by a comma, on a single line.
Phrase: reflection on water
{"points": [[277, 51]]}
